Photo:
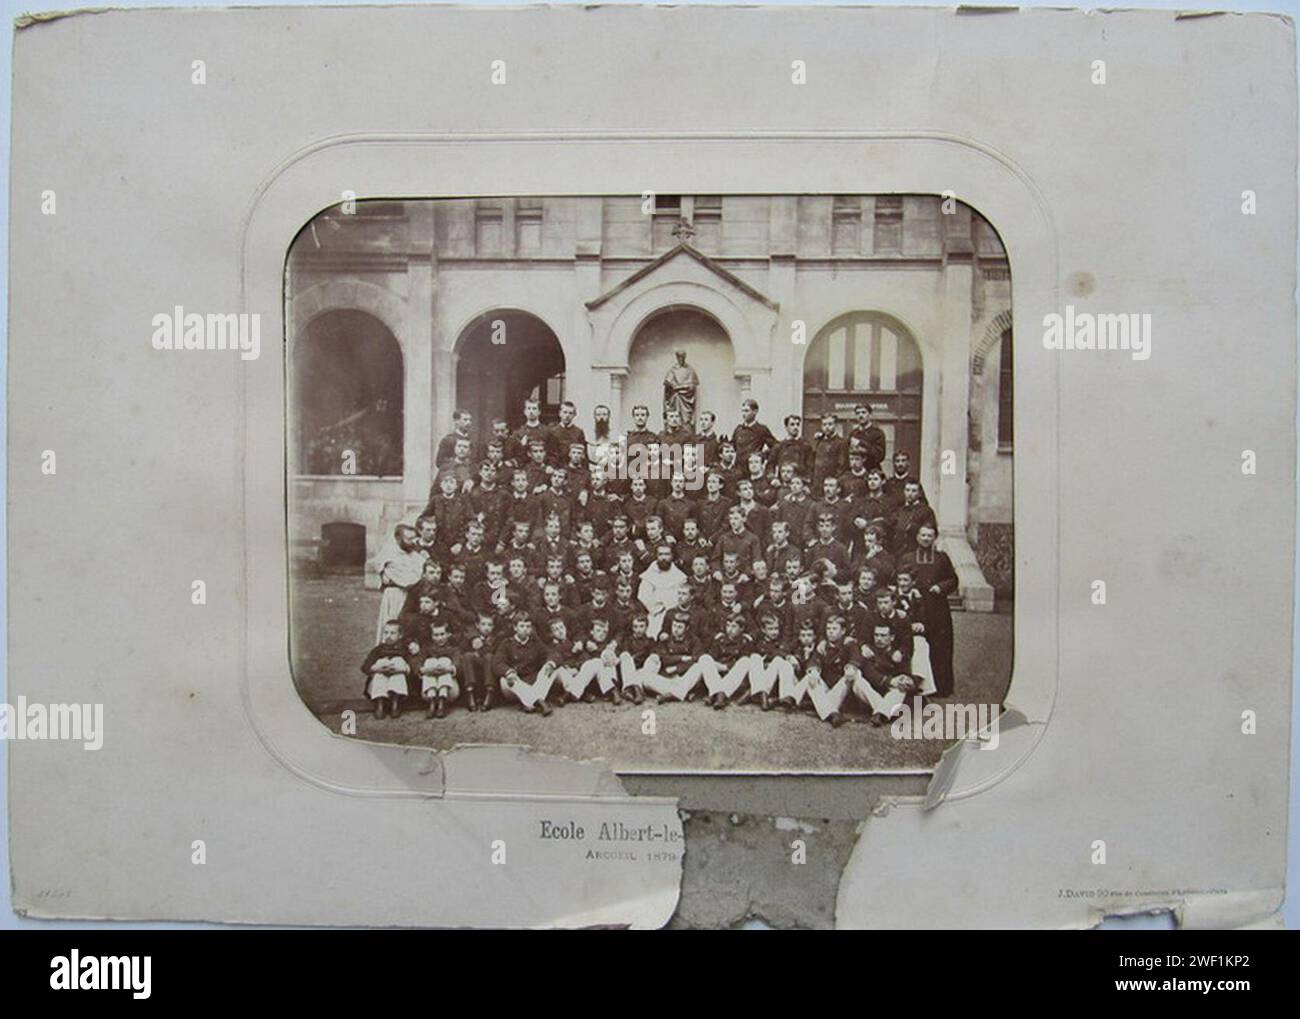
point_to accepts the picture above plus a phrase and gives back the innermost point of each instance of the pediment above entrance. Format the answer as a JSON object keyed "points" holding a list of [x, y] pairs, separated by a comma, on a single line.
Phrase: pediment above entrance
{"points": [[683, 278]]}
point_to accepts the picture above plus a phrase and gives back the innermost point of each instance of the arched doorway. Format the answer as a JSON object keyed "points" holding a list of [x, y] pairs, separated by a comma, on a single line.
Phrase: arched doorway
{"points": [[506, 357], [708, 351], [867, 357], [347, 397]]}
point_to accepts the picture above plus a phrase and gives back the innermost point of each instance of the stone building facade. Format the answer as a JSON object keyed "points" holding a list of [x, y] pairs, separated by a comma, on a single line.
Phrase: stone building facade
{"points": [[399, 312]]}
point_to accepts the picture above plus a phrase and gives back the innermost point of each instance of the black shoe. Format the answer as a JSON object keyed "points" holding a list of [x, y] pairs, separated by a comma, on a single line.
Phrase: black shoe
{"points": [[487, 702], [394, 707], [441, 711], [589, 697], [431, 708], [381, 707], [615, 697], [764, 702], [837, 719], [544, 708]]}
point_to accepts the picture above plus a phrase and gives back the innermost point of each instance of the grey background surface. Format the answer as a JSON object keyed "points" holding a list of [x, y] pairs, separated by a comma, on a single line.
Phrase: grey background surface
{"points": [[1175, 565]]}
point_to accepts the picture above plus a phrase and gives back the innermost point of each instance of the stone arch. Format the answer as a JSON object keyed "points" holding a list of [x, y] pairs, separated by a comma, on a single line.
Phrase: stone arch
{"points": [[904, 399], [992, 337], [493, 381], [689, 295], [355, 295]]}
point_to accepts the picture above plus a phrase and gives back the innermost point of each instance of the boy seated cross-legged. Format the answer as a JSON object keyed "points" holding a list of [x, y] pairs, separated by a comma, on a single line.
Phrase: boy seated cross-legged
{"points": [[839, 671], [636, 655], [806, 668], [679, 671], [599, 658], [730, 650], [886, 682], [520, 665], [771, 662], [564, 657]]}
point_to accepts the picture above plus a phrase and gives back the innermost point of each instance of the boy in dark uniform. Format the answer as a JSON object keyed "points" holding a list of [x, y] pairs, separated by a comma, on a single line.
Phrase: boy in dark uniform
{"points": [[706, 439], [602, 505], [794, 508], [839, 670], [867, 436], [434, 660], [826, 546], [551, 544], [900, 476], [781, 550], [870, 554], [830, 452], [770, 662], [428, 610], [738, 540], [476, 663], [750, 436], [793, 449], [624, 605], [619, 541], [637, 652], [806, 666], [676, 507], [556, 501], [520, 666], [679, 672], [485, 503], [875, 509], [885, 683], [565, 435], [757, 517], [536, 467], [712, 509], [691, 544], [730, 650], [473, 554], [430, 582], [386, 670], [518, 543], [909, 518], [532, 430], [853, 483], [599, 662], [638, 507], [450, 509]]}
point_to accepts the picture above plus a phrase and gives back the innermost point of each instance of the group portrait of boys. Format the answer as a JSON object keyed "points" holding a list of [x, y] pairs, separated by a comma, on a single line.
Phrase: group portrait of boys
{"points": [[801, 574]]}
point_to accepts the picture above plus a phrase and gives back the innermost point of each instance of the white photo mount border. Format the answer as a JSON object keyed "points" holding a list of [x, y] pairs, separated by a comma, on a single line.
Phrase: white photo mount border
{"points": [[536, 163]]}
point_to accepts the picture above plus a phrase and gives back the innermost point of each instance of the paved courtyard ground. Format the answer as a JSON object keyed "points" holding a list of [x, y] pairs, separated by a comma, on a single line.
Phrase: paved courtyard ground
{"points": [[333, 628]]}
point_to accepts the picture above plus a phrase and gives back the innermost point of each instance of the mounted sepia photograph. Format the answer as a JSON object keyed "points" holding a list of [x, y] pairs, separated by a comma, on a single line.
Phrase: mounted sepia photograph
{"points": [[690, 483]]}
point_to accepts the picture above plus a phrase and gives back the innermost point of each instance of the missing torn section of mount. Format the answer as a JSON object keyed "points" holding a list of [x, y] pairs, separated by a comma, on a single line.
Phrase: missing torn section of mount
{"points": [[30, 18]]}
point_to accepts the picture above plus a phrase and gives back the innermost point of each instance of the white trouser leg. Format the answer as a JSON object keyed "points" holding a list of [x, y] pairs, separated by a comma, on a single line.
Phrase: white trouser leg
{"points": [[828, 700], [794, 689]]}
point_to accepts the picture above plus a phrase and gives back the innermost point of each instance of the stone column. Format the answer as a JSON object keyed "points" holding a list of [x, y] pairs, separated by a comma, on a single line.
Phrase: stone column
{"points": [[417, 350], [954, 398], [617, 377], [951, 505]]}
